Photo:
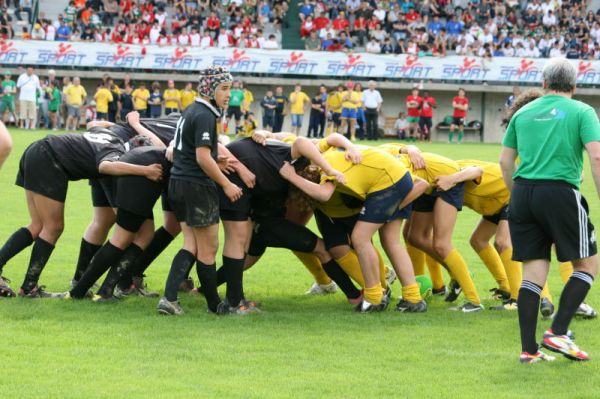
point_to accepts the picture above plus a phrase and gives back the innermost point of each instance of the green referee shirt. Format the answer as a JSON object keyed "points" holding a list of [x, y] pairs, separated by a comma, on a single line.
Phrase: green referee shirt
{"points": [[237, 96], [549, 135]]}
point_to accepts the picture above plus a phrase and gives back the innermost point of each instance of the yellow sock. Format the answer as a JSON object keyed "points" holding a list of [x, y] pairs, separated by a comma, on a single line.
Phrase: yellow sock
{"points": [[417, 257], [373, 295], [382, 270], [546, 293], [513, 272], [565, 269], [312, 263], [435, 272], [492, 261], [411, 293], [350, 264], [460, 271]]}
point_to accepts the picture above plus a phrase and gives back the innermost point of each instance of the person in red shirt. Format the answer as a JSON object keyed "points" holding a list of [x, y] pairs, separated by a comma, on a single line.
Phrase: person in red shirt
{"points": [[341, 23], [321, 21], [213, 24], [460, 104], [412, 15], [425, 120], [413, 106], [360, 29]]}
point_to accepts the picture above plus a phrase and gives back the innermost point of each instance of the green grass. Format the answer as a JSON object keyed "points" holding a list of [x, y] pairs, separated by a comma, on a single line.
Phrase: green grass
{"points": [[298, 347]]}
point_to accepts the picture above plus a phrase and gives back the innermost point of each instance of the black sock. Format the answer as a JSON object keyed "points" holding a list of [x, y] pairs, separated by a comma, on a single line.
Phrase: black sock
{"points": [[207, 274], [117, 270], [234, 271], [221, 276], [20, 240], [161, 240], [106, 256], [86, 253], [335, 272], [182, 263], [39, 257], [528, 305], [572, 295]]}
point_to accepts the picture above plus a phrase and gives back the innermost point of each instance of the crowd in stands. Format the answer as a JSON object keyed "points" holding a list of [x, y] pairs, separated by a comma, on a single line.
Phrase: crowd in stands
{"points": [[486, 28], [196, 23]]}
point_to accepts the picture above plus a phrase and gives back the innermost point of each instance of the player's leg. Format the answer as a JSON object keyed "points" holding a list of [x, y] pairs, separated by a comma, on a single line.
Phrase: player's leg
{"points": [[451, 132], [480, 242], [237, 234], [461, 131], [352, 122], [207, 244]]}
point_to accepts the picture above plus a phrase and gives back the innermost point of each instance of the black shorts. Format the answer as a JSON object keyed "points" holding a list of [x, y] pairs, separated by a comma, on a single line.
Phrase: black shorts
{"points": [[542, 213], [425, 122], [458, 121], [502, 215], [130, 221], [102, 192], [234, 112], [383, 206], [171, 111], [335, 231], [239, 210], [137, 195], [268, 121], [40, 172], [335, 117], [102, 115], [166, 202], [193, 203], [281, 233], [454, 197]]}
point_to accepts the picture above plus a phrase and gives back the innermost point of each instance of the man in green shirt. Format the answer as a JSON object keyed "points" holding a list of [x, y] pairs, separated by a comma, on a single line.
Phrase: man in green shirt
{"points": [[546, 208], [54, 101], [7, 95], [235, 106]]}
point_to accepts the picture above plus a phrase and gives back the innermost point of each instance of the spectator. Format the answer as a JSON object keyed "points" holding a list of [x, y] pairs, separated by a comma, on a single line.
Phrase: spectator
{"points": [[224, 39], [7, 99], [413, 106], [334, 106], [249, 125], [281, 110], [312, 43], [102, 97], [207, 40], [172, 98], [426, 116], [460, 104], [37, 33], [269, 105], [63, 33], [248, 99], [400, 126], [26, 7], [54, 101], [126, 101], [75, 95], [350, 104], [372, 102], [317, 110], [271, 43], [187, 95], [235, 106], [298, 104], [373, 46], [140, 97], [155, 102]]}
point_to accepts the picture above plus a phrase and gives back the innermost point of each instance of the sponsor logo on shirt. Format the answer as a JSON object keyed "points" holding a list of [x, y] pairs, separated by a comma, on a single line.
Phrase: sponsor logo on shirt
{"points": [[206, 136]]}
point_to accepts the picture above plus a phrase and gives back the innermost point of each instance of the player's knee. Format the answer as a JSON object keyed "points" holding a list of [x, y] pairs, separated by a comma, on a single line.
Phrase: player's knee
{"points": [[441, 249], [53, 231], [35, 229], [339, 251], [170, 224], [477, 243], [502, 245]]}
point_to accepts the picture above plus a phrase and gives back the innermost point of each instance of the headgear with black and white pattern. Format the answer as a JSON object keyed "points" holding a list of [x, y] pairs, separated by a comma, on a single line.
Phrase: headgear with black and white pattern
{"points": [[211, 78]]}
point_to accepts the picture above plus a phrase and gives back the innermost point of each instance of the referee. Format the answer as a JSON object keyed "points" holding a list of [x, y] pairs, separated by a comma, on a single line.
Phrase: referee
{"points": [[546, 207]]}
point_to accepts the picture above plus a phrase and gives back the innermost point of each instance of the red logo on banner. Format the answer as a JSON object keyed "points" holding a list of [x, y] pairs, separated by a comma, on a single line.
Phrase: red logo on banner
{"points": [[411, 62], [238, 56], [7, 47], [64, 49], [468, 64], [121, 52], [584, 67], [179, 54], [295, 59], [352, 61], [526, 66]]}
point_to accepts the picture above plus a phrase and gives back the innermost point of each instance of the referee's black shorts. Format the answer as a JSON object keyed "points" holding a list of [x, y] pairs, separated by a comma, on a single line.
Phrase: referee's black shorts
{"points": [[546, 212]]}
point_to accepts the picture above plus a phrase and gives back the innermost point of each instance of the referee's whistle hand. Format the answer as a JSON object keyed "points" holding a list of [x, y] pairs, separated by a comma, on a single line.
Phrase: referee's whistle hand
{"points": [[154, 172], [232, 192]]}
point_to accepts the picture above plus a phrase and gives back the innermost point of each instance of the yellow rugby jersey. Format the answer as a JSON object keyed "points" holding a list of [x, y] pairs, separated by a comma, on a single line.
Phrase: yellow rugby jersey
{"points": [[187, 97], [248, 100], [354, 95], [334, 102], [335, 207], [172, 93], [435, 165], [488, 194], [377, 171]]}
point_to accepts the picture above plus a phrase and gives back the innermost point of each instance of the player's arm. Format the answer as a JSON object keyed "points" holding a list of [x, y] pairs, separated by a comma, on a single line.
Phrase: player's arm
{"points": [[104, 124], [416, 158], [593, 149], [261, 136], [117, 168], [133, 119], [245, 174], [303, 147], [508, 156], [419, 187], [319, 192], [6, 143], [337, 140], [210, 167], [445, 183]]}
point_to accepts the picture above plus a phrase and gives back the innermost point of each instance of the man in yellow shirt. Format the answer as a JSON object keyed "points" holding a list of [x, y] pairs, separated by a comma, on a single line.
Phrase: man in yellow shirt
{"points": [[140, 99], [75, 97], [350, 104], [172, 98], [187, 95], [102, 97], [334, 107], [298, 104], [248, 99]]}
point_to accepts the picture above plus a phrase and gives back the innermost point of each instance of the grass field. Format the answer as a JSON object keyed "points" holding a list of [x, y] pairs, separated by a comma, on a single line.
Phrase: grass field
{"points": [[298, 347]]}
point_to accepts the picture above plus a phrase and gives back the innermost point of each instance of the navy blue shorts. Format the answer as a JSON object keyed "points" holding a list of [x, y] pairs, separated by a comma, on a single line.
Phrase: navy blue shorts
{"points": [[502, 215], [454, 197], [383, 206]]}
